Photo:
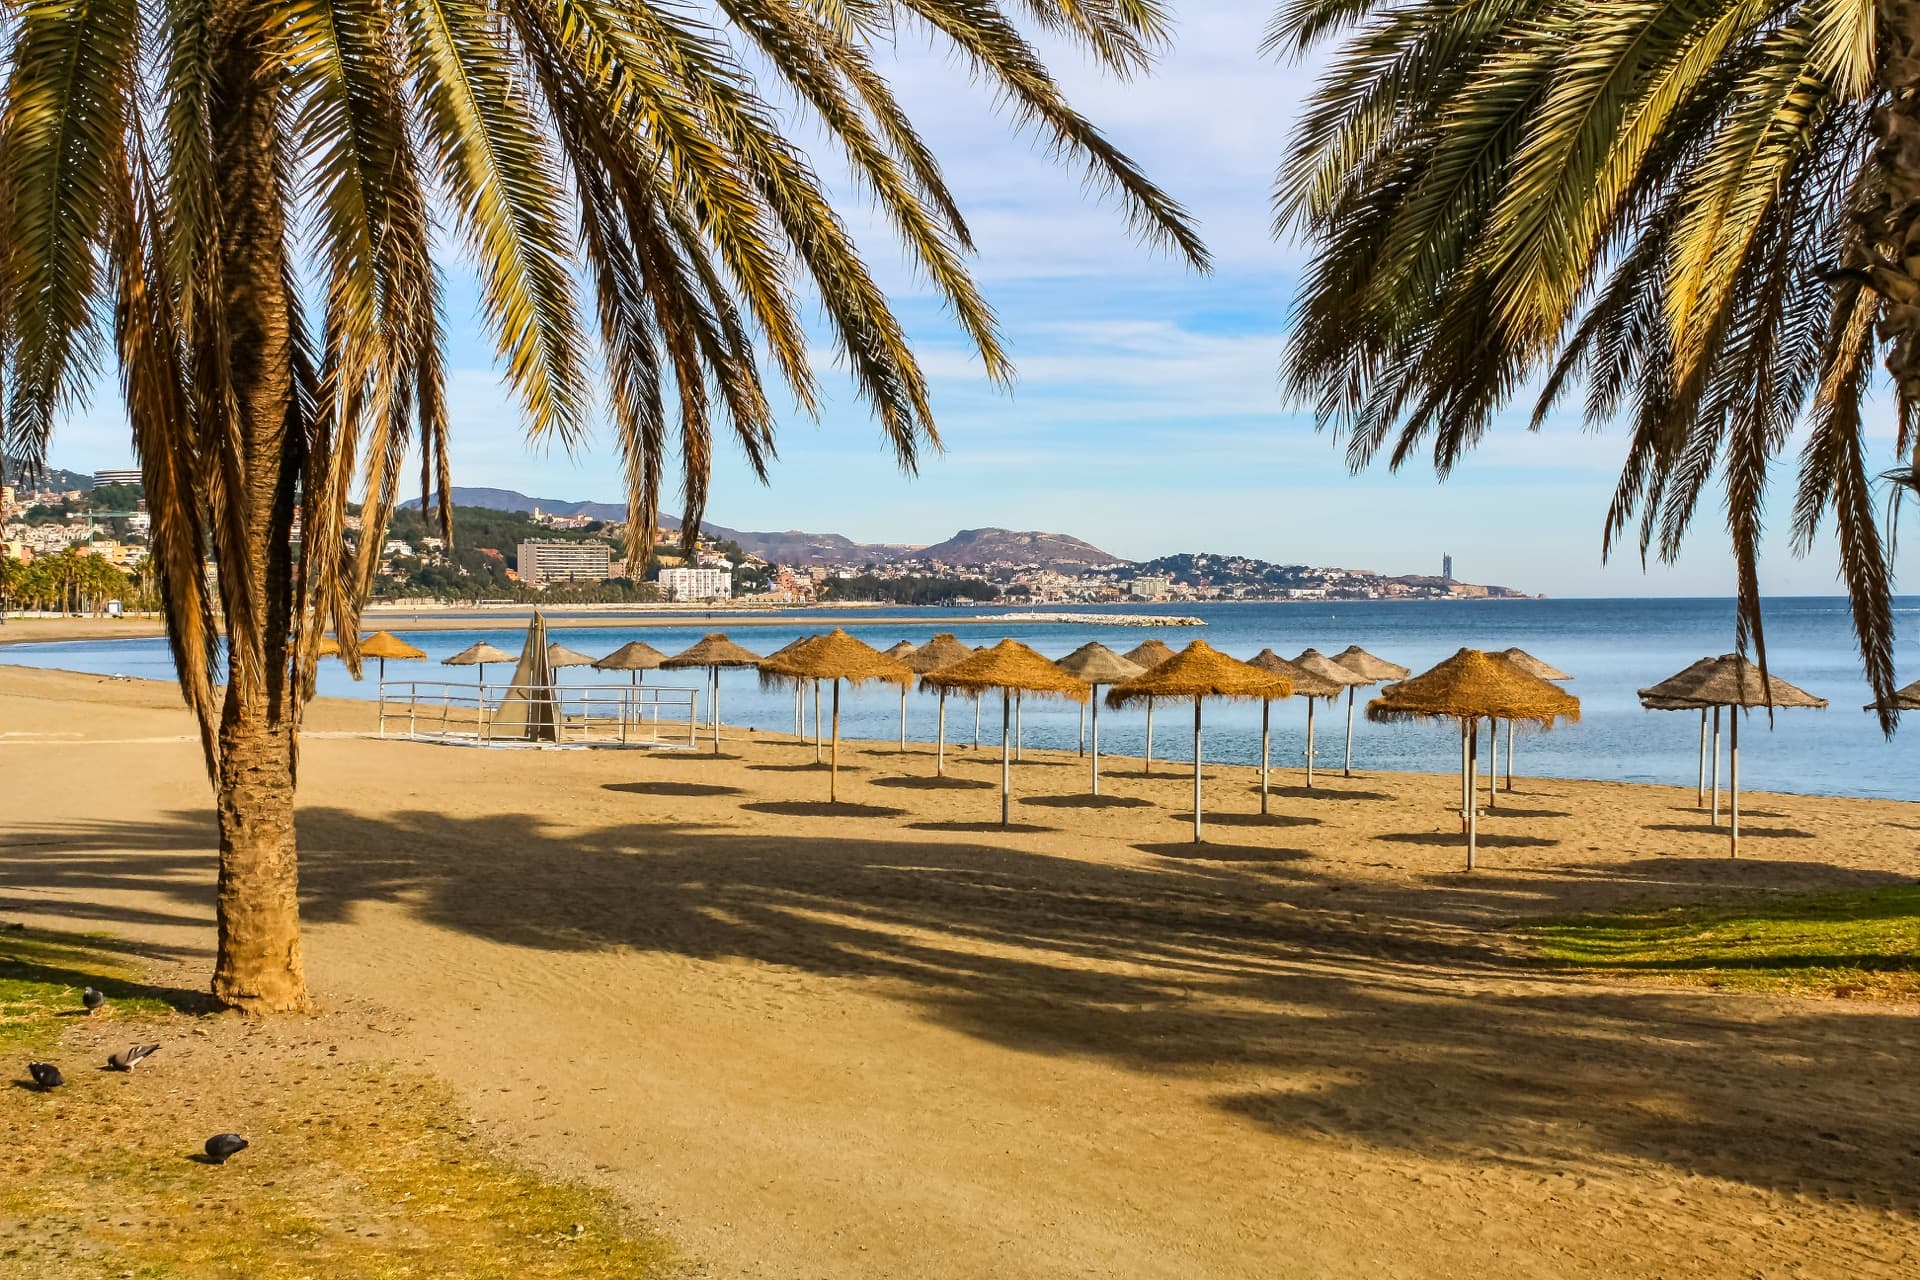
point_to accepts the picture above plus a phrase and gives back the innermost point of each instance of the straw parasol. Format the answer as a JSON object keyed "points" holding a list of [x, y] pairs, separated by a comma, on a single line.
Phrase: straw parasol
{"points": [[1306, 684], [1468, 687], [899, 653], [478, 655], [1372, 670], [943, 651], [1668, 696], [1097, 665], [1147, 655], [327, 648], [1007, 666], [384, 645], [1533, 667], [836, 656], [634, 656], [1318, 664], [1907, 699], [1200, 671], [713, 652], [1733, 682], [558, 656]]}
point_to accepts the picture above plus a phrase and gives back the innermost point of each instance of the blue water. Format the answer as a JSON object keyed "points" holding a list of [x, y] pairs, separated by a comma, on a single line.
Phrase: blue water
{"points": [[1612, 647]]}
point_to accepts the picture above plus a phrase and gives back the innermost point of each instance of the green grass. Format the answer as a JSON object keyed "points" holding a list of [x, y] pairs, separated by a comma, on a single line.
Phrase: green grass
{"points": [[1862, 944], [357, 1171]]}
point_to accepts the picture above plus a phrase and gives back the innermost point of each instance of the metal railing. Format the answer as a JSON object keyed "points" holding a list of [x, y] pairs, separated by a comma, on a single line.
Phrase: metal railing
{"points": [[582, 715]]}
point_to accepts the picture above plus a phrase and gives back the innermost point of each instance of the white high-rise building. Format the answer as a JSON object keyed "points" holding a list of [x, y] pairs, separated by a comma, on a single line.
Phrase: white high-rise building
{"points": [[682, 585]]}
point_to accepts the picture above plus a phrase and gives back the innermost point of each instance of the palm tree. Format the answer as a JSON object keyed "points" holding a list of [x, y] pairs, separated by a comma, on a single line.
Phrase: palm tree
{"points": [[250, 192], [1701, 213]]}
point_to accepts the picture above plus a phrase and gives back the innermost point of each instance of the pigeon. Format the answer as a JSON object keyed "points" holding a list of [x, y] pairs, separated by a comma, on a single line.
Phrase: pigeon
{"points": [[93, 1000], [46, 1075], [126, 1061], [222, 1146]]}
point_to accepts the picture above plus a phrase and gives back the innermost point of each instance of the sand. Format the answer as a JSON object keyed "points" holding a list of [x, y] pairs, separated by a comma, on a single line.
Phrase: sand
{"points": [[890, 1039]]}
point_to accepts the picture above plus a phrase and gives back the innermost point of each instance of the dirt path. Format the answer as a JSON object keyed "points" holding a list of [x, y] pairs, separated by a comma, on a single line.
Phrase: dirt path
{"points": [[891, 1040]]}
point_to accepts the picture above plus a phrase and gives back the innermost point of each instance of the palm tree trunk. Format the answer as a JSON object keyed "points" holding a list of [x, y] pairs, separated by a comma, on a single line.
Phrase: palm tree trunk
{"points": [[1893, 223], [258, 968]]}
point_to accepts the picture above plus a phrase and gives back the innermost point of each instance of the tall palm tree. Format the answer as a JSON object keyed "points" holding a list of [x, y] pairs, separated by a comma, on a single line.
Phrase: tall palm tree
{"points": [[243, 198], [1702, 212]]}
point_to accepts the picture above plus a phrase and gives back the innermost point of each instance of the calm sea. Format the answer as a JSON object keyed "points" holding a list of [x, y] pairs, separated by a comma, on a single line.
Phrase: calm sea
{"points": [[1611, 646]]}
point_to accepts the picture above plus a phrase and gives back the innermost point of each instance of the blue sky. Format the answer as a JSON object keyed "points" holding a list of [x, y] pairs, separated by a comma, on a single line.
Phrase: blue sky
{"points": [[1146, 417]]}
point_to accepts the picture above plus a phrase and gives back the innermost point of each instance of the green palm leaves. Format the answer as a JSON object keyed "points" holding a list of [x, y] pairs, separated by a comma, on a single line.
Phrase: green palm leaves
{"points": [[1667, 202], [622, 174]]}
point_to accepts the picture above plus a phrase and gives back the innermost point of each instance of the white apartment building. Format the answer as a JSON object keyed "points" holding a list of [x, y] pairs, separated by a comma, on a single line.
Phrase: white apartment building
{"points": [[1149, 587], [542, 563], [682, 585]]}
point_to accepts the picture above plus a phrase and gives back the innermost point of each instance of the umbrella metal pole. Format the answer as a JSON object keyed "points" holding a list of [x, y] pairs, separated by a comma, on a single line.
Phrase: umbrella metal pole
{"points": [[940, 752], [716, 711], [1006, 757], [1466, 779], [976, 722], [816, 722], [833, 769], [1310, 702], [1714, 773], [1083, 728], [1473, 814], [1266, 739], [1493, 763], [1196, 771], [1509, 757], [799, 715], [1733, 781], [1700, 797], [1149, 768], [1347, 770], [1096, 739], [1019, 727], [903, 716]]}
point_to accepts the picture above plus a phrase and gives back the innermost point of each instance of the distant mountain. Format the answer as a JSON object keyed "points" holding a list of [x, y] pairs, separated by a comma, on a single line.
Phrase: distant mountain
{"points": [[804, 550], [1006, 546], [50, 477]]}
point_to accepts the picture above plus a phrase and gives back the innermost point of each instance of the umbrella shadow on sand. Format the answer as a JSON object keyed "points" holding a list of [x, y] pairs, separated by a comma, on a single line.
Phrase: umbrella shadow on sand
{"points": [[1399, 1016], [674, 788], [912, 782], [1213, 851], [823, 809], [1086, 802], [1709, 829], [1451, 839]]}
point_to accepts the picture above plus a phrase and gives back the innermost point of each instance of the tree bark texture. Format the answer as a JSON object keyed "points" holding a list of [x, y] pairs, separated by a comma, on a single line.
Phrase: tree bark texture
{"points": [[259, 967], [1893, 225]]}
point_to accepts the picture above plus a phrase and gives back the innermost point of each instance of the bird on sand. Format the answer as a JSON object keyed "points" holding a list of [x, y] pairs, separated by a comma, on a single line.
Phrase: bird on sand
{"points": [[133, 1054], [93, 1000], [46, 1075], [222, 1146]]}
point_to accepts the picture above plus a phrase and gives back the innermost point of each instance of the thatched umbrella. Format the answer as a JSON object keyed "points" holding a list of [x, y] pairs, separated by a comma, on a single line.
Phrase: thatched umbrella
{"points": [[713, 652], [799, 718], [943, 651], [558, 656], [1371, 670], [384, 645], [1098, 665], [900, 653], [1533, 667], [1007, 666], [836, 656], [1147, 655], [1667, 696], [478, 655], [1318, 664], [1733, 682], [1200, 671], [1468, 687], [327, 648], [1305, 684], [634, 657], [1907, 699]]}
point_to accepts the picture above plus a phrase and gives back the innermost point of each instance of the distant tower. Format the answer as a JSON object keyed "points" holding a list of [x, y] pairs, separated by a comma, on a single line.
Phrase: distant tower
{"points": [[1446, 566]]}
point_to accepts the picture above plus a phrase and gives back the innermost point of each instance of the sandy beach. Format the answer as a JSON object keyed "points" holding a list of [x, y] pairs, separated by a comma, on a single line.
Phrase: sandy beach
{"points": [[891, 1039]]}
